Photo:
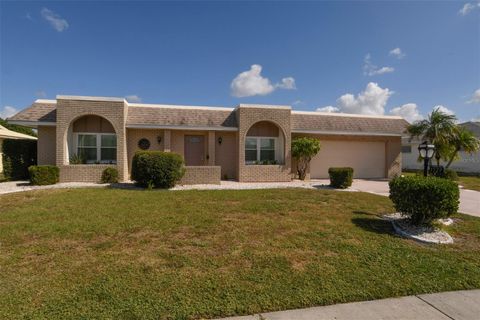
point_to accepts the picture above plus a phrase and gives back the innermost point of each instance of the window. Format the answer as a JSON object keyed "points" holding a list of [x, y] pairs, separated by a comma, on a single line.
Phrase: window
{"points": [[97, 147], [259, 150], [406, 149]]}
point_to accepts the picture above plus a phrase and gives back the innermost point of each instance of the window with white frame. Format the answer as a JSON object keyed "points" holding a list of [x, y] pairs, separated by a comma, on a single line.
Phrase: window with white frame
{"points": [[260, 150], [97, 147]]}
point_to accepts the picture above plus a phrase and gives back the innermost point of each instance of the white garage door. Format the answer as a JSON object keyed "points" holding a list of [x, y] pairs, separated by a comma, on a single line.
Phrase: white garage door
{"points": [[366, 158]]}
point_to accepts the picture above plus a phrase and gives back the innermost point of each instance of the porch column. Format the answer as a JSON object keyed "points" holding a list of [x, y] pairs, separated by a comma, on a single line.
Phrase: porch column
{"points": [[211, 148], [167, 141]]}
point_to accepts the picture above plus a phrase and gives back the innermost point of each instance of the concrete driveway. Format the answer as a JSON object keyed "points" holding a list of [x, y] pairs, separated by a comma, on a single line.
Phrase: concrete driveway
{"points": [[469, 199]]}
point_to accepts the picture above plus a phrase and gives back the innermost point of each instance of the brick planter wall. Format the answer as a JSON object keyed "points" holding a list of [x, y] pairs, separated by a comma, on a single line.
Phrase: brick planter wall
{"points": [[83, 172], [266, 173], [201, 175]]}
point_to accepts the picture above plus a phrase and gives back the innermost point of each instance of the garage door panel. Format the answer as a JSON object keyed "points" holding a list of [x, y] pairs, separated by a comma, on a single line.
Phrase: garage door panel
{"points": [[367, 158]]}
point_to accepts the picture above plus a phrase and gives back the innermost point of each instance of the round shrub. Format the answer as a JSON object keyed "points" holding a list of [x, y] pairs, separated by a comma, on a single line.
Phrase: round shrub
{"points": [[110, 175], [43, 175], [424, 199], [157, 169], [340, 178]]}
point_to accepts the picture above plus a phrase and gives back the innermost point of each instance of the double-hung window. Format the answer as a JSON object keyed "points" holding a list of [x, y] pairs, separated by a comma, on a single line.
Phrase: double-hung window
{"points": [[259, 149], [97, 147]]}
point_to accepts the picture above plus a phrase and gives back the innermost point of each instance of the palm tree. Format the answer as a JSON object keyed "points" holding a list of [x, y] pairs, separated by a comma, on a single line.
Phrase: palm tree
{"points": [[439, 129], [463, 140]]}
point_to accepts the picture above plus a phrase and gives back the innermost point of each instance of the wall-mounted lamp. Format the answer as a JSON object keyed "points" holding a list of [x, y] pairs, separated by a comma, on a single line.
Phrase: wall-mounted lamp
{"points": [[159, 139], [220, 139]]}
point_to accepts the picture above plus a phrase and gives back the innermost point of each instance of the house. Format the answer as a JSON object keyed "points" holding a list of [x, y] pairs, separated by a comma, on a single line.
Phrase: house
{"points": [[467, 163], [246, 143], [9, 134]]}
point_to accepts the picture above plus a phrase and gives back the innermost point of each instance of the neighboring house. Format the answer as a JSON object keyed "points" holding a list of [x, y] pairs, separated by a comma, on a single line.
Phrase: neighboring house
{"points": [[9, 134], [246, 143], [467, 162]]}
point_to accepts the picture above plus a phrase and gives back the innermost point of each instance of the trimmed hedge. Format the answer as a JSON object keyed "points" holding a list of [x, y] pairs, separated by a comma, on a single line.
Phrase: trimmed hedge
{"points": [[110, 175], [340, 178], [43, 175], [157, 169], [424, 199]]}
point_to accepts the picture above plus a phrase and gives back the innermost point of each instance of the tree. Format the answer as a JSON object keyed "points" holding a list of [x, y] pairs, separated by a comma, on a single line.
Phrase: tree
{"points": [[303, 150], [465, 140], [17, 128], [439, 129]]}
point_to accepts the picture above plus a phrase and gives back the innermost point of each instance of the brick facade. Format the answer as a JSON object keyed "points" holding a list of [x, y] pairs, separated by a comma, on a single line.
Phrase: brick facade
{"points": [[170, 124], [201, 175], [247, 116], [70, 109]]}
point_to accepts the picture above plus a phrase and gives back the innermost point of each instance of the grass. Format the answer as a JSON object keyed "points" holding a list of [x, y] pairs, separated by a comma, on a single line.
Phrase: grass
{"points": [[470, 182], [124, 254], [467, 182]]}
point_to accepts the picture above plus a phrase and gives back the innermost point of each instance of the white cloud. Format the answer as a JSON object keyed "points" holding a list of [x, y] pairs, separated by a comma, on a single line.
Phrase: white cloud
{"points": [[251, 83], [397, 53], [468, 7], [7, 112], [328, 109], [297, 102], [408, 111], [372, 70], [287, 83], [40, 94], [371, 101], [444, 110], [56, 21], [475, 97], [133, 98], [477, 119]]}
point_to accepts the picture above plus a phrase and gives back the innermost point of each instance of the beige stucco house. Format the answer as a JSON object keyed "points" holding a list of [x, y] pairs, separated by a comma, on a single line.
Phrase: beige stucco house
{"points": [[246, 143]]}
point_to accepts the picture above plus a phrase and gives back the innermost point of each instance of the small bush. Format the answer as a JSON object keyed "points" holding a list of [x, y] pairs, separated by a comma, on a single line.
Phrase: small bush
{"points": [[43, 175], [436, 171], [110, 175], [451, 174], [424, 199], [157, 169], [340, 178], [441, 172]]}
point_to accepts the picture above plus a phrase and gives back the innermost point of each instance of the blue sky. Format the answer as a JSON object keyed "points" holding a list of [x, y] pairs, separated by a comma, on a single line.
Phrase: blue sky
{"points": [[339, 55]]}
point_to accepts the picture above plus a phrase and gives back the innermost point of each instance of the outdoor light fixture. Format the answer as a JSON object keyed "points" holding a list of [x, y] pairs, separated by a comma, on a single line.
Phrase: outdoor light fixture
{"points": [[220, 139], [426, 153], [159, 139]]}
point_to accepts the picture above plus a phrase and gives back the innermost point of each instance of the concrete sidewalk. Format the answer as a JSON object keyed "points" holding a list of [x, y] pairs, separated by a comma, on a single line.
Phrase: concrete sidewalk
{"points": [[457, 305]]}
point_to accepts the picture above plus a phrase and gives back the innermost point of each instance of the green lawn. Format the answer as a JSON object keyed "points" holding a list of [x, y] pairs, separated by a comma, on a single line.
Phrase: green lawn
{"points": [[125, 254], [472, 183]]}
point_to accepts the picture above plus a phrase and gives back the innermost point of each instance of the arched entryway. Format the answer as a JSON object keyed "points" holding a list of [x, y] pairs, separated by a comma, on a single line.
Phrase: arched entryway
{"points": [[91, 139], [264, 144]]}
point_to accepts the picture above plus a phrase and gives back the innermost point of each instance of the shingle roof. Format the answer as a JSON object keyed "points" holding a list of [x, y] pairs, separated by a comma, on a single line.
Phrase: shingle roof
{"points": [[309, 121], [166, 115], [473, 126], [195, 117], [41, 111]]}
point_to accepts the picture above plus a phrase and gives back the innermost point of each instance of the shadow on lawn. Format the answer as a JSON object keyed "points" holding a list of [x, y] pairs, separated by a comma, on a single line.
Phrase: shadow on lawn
{"points": [[375, 225]]}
